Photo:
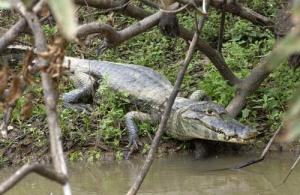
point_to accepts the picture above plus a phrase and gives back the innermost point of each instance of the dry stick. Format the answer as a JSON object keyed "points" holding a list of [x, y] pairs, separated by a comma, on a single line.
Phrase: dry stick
{"points": [[150, 157], [290, 171], [117, 37], [49, 93], [263, 154], [122, 6], [262, 70], [5, 40], [17, 28], [193, 4], [253, 161], [242, 11], [222, 27], [174, 11], [204, 47], [6, 118], [28, 168]]}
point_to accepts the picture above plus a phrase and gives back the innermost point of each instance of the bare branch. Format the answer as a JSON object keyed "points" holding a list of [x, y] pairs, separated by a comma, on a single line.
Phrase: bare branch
{"points": [[150, 157], [263, 69], [239, 10], [16, 29], [174, 11], [117, 37], [28, 168], [222, 28], [263, 154], [6, 118], [291, 170], [49, 92], [204, 47], [214, 56], [94, 27], [130, 9], [247, 87], [253, 161]]}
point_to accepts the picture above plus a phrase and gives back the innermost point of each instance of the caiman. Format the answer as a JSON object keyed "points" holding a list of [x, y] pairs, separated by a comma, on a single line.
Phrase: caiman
{"points": [[191, 118]]}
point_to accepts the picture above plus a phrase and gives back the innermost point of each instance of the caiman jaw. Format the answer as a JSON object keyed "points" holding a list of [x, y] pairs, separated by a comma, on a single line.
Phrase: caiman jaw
{"points": [[207, 120], [232, 130]]}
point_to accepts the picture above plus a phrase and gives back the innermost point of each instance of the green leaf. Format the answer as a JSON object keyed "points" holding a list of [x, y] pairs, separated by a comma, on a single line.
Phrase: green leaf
{"points": [[64, 14], [5, 4], [245, 113]]}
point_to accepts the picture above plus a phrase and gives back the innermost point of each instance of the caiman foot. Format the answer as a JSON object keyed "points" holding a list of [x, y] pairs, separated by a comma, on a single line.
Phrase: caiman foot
{"points": [[133, 129], [200, 149], [132, 146]]}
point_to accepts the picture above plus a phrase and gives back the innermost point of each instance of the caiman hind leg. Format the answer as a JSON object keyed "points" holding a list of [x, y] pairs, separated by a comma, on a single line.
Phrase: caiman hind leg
{"points": [[132, 128], [199, 95]]}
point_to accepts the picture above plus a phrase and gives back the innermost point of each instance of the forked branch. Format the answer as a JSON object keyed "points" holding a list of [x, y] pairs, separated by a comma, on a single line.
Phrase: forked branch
{"points": [[50, 95], [29, 168]]}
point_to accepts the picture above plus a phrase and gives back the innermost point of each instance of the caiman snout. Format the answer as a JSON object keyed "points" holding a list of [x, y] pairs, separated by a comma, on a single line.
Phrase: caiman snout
{"points": [[232, 128], [208, 120]]}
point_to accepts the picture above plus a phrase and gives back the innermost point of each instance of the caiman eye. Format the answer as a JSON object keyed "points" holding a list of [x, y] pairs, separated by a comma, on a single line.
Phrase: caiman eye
{"points": [[209, 112]]}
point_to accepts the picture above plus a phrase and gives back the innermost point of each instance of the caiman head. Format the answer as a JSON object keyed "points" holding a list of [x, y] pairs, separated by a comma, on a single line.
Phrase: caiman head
{"points": [[210, 121]]}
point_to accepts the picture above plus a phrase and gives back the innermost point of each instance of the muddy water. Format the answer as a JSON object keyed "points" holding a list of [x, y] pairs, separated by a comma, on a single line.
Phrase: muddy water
{"points": [[171, 176]]}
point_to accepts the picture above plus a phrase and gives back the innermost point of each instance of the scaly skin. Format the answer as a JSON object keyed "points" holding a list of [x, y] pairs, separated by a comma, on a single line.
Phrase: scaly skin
{"points": [[190, 118]]}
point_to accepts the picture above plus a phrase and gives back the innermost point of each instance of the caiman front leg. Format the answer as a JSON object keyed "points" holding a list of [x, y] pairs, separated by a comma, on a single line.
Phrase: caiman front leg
{"points": [[72, 99], [132, 128], [83, 94]]}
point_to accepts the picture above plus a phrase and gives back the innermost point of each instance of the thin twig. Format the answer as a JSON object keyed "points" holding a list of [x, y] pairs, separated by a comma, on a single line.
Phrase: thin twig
{"points": [[263, 154], [253, 161], [150, 157], [49, 92], [174, 11], [122, 6], [290, 171], [204, 47], [194, 5], [28, 168], [17, 28], [222, 28]]}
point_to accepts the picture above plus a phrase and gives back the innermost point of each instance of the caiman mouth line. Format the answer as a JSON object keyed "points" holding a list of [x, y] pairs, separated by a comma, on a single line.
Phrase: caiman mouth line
{"points": [[232, 139]]}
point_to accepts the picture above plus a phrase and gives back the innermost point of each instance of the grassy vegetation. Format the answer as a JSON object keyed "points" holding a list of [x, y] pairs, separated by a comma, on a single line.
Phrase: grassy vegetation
{"points": [[245, 44]]}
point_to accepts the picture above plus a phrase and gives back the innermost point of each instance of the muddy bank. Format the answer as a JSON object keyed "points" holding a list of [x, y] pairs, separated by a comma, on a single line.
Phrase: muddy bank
{"points": [[22, 147]]}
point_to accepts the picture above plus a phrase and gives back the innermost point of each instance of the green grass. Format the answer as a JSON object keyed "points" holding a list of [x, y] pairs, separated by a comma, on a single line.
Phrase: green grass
{"points": [[245, 45]]}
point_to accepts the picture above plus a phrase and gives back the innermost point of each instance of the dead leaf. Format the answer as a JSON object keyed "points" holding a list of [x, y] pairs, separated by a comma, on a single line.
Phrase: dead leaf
{"points": [[15, 91], [44, 11], [26, 111], [111, 19], [3, 79], [26, 64]]}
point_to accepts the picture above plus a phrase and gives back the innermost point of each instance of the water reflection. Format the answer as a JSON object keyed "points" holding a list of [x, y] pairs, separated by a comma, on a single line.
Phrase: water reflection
{"points": [[172, 175]]}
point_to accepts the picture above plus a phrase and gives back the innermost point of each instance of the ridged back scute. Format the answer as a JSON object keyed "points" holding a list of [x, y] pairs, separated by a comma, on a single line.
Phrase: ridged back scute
{"points": [[137, 81]]}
